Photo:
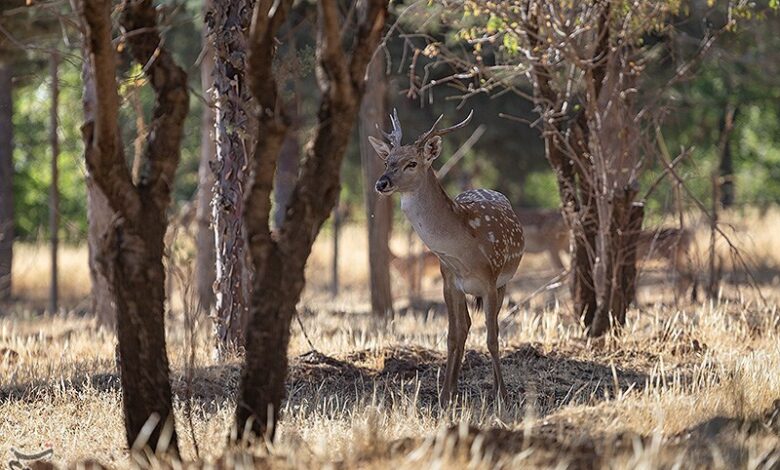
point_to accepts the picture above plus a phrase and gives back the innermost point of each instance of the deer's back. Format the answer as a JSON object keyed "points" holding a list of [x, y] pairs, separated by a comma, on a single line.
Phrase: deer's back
{"points": [[496, 228]]}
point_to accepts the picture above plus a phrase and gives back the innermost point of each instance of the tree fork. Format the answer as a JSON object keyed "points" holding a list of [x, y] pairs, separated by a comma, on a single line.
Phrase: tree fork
{"points": [[131, 250], [280, 261]]}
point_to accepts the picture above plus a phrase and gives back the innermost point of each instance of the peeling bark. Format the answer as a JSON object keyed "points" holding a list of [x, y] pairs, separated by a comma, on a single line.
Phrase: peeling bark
{"points": [[227, 24]]}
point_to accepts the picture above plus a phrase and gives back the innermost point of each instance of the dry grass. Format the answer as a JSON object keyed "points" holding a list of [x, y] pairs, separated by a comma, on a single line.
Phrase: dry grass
{"points": [[693, 385]]}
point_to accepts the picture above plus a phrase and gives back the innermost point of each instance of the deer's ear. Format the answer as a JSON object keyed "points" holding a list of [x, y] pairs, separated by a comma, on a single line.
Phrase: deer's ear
{"points": [[432, 149], [382, 148]]}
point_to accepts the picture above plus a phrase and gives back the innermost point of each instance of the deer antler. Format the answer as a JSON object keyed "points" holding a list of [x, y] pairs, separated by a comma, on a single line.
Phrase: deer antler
{"points": [[433, 132], [395, 135]]}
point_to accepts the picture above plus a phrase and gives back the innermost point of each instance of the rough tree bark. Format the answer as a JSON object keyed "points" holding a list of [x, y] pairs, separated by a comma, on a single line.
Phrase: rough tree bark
{"points": [[54, 191], [227, 24], [379, 211], [99, 215], [279, 261], [131, 249], [594, 157], [6, 179], [205, 257]]}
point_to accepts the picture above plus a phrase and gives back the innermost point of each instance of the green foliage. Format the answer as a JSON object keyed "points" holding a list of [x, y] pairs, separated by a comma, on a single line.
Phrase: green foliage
{"points": [[541, 190], [32, 156], [741, 70], [758, 155]]}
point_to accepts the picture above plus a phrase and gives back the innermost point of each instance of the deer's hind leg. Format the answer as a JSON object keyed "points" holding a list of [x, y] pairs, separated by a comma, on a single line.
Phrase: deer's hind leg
{"points": [[458, 330], [493, 302]]}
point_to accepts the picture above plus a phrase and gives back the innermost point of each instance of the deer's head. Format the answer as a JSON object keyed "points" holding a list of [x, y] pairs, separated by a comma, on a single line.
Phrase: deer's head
{"points": [[407, 165]]}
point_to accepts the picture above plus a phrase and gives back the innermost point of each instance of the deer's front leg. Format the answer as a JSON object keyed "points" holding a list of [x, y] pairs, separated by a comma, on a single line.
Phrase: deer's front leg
{"points": [[493, 301], [457, 331]]}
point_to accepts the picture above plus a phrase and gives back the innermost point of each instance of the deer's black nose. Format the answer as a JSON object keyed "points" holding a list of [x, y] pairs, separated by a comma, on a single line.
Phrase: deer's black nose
{"points": [[382, 184]]}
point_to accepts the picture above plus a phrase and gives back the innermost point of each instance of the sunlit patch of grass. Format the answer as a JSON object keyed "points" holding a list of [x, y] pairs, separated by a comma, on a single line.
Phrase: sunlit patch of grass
{"points": [[687, 383], [671, 370], [32, 273]]}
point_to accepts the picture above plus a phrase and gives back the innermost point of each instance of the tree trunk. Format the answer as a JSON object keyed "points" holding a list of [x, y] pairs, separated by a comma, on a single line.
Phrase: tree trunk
{"points": [[54, 204], [130, 250], [379, 211], [595, 158], [6, 180], [99, 215], [287, 168], [334, 267], [726, 166], [279, 262], [227, 23], [205, 257]]}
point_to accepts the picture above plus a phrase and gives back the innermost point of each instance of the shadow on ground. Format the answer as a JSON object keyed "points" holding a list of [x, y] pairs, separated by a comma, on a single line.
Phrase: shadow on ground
{"points": [[720, 442], [545, 381]]}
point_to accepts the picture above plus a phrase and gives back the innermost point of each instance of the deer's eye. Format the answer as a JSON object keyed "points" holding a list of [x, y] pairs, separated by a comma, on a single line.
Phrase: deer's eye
{"points": [[410, 166]]}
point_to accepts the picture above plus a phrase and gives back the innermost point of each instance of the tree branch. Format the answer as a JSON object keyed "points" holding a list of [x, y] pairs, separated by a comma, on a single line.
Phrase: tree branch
{"points": [[169, 81], [103, 152], [333, 73], [369, 33]]}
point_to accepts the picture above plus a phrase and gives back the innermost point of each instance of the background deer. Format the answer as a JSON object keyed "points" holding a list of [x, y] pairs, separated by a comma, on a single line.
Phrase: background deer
{"points": [[477, 238], [414, 268], [545, 232]]}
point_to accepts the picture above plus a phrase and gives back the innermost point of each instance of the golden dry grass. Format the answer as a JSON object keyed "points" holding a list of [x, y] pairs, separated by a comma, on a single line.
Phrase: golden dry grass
{"points": [[693, 385]]}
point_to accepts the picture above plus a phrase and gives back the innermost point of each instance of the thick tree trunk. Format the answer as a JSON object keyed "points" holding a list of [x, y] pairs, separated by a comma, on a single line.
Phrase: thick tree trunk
{"points": [[130, 250], [280, 262], [6, 180], [379, 211], [584, 232], [227, 22], [595, 160], [625, 226], [205, 257], [99, 215], [54, 194]]}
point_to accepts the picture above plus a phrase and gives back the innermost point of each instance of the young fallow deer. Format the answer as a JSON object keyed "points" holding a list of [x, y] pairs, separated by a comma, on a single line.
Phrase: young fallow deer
{"points": [[477, 238]]}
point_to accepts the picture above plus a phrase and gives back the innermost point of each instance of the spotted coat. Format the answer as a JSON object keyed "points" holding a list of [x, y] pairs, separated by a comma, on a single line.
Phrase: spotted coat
{"points": [[490, 217]]}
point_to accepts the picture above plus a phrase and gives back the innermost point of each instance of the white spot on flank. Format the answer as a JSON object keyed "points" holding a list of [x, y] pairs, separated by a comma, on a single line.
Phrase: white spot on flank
{"points": [[474, 222], [491, 237], [487, 218]]}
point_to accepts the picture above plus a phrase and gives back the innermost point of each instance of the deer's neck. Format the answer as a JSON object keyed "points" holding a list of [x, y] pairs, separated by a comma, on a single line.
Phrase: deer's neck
{"points": [[432, 213]]}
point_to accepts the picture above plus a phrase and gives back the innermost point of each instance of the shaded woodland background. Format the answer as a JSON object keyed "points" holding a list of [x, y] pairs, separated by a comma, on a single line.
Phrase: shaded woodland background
{"points": [[739, 76]]}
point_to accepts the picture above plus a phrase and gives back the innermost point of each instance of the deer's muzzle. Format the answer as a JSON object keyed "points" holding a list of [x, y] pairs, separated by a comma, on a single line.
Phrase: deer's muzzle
{"points": [[383, 185]]}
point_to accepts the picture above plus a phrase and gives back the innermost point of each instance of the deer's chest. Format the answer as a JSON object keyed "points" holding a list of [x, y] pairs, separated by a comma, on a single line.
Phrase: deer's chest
{"points": [[436, 231]]}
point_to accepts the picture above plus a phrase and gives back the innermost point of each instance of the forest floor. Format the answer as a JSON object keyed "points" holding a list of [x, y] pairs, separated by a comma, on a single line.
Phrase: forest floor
{"points": [[686, 384]]}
